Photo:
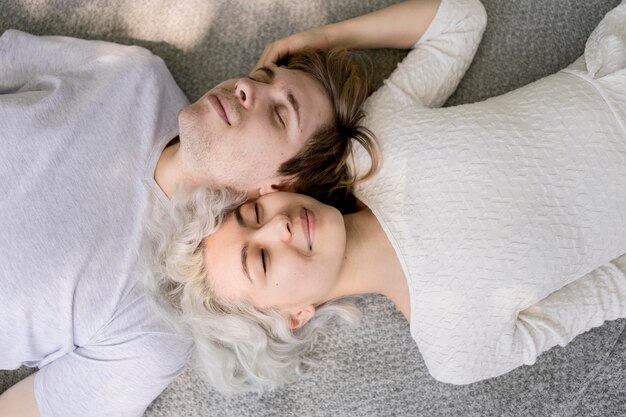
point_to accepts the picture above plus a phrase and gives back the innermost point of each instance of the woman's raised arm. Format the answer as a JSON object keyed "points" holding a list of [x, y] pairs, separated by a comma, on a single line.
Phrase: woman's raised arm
{"points": [[444, 35], [432, 70], [398, 26]]}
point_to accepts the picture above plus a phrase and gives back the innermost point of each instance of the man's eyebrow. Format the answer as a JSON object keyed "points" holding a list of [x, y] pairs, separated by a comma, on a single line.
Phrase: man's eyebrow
{"points": [[290, 97], [294, 103], [269, 72], [244, 261]]}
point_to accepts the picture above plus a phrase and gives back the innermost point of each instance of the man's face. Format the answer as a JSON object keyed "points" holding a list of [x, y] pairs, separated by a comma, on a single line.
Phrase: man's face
{"points": [[240, 132]]}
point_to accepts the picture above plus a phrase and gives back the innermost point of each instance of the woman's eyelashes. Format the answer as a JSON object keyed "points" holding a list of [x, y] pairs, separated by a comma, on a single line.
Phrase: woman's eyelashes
{"points": [[257, 213], [264, 260], [263, 256]]}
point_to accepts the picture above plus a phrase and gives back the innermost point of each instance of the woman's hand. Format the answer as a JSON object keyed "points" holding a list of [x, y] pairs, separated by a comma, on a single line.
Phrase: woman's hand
{"points": [[397, 26], [315, 38]]}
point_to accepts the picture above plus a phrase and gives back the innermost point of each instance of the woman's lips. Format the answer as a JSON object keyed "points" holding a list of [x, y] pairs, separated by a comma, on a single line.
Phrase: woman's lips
{"points": [[308, 226], [219, 107]]}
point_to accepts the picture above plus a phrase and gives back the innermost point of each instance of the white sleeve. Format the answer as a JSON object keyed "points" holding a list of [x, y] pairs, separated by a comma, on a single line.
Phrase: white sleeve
{"points": [[24, 56], [430, 73], [574, 309], [118, 377], [555, 320]]}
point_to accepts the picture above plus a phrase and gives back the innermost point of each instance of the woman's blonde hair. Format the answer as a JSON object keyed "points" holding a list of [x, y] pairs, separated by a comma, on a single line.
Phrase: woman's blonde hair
{"points": [[238, 347]]}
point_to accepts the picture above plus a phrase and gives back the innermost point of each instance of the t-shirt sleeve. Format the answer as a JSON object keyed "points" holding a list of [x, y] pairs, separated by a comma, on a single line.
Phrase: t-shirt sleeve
{"points": [[432, 70], [24, 56], [117, 377]]}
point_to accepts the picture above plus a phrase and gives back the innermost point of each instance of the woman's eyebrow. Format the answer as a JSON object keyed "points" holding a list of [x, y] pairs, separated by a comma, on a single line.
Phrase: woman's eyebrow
{"points": [[244, 262], [238, 217], [244, 249]]}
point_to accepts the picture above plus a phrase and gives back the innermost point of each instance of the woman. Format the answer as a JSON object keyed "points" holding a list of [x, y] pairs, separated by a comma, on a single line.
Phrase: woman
{"points": [[497, 226]]}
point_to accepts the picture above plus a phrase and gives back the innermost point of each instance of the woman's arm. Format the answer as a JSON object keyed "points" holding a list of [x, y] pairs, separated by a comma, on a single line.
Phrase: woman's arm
{"points": [[586, 303], [398, 26], [439, 59], [576, 308], [444, 34]]}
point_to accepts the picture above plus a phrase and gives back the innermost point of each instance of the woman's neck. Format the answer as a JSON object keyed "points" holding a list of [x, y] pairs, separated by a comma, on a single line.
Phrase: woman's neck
{"points": [[371, 265]]}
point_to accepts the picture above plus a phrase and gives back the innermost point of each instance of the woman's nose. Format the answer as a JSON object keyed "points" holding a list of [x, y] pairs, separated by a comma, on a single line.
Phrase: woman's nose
{"points": [[279, 229], [245, 92]]}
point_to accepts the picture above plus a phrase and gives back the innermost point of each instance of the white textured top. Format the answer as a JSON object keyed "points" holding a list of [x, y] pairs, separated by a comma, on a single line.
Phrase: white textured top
{"points": [[493, 208], [82, 124]]}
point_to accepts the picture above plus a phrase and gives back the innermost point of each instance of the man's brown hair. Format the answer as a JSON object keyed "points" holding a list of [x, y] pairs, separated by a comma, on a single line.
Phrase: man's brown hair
{"points": [[321, 169]]}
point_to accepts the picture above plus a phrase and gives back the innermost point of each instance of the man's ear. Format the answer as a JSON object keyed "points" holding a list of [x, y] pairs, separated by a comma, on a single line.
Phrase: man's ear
{"points": [[301, 317], [260, 189], [267, 188], [276, 184]]}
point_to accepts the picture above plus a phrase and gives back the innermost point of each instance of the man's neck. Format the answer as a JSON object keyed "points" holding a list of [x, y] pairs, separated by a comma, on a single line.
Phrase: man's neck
{"points": [[170, 173]]}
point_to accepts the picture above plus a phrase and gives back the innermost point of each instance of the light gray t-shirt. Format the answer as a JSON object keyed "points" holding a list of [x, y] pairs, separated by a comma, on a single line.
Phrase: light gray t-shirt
{"points": [[82, 125]]}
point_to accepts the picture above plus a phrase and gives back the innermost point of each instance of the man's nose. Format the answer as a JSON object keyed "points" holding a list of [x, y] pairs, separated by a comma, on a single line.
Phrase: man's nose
{"points": [[245, 91]]}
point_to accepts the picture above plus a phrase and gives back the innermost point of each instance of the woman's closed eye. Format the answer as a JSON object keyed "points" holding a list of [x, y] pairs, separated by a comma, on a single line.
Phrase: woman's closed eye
{"points": [[257, 213], [263, 256]]}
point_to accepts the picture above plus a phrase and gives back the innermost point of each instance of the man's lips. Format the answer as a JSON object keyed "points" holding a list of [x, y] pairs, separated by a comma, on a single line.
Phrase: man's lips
{"points": [[216, 103], [308, 226]]}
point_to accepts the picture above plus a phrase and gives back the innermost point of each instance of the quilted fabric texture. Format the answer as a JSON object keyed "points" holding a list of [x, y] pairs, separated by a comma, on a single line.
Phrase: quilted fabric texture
{"points": [[496, 206]]}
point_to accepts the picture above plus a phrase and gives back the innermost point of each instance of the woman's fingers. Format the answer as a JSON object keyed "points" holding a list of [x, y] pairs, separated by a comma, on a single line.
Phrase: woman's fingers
{"points": [[277, 50], [271, 54]]}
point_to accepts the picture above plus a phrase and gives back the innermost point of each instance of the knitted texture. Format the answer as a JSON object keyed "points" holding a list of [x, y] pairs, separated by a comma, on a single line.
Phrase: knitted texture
{"points": [[495, 206]]}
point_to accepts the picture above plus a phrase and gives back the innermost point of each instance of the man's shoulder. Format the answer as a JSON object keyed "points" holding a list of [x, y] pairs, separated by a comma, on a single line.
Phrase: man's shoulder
{"points": [[60, 53], [124, 60]]}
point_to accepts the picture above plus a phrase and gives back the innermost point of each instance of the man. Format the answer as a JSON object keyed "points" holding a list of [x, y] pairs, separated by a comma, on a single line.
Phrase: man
{"points": [[91, 147]]}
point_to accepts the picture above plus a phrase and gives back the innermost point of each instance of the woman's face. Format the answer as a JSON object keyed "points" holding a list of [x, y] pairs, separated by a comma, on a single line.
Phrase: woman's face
{"points": [[283, 250]]}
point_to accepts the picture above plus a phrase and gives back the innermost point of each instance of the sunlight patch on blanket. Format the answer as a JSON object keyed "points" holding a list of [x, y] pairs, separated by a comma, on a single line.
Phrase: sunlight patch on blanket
{"points": [[182, 24]]}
